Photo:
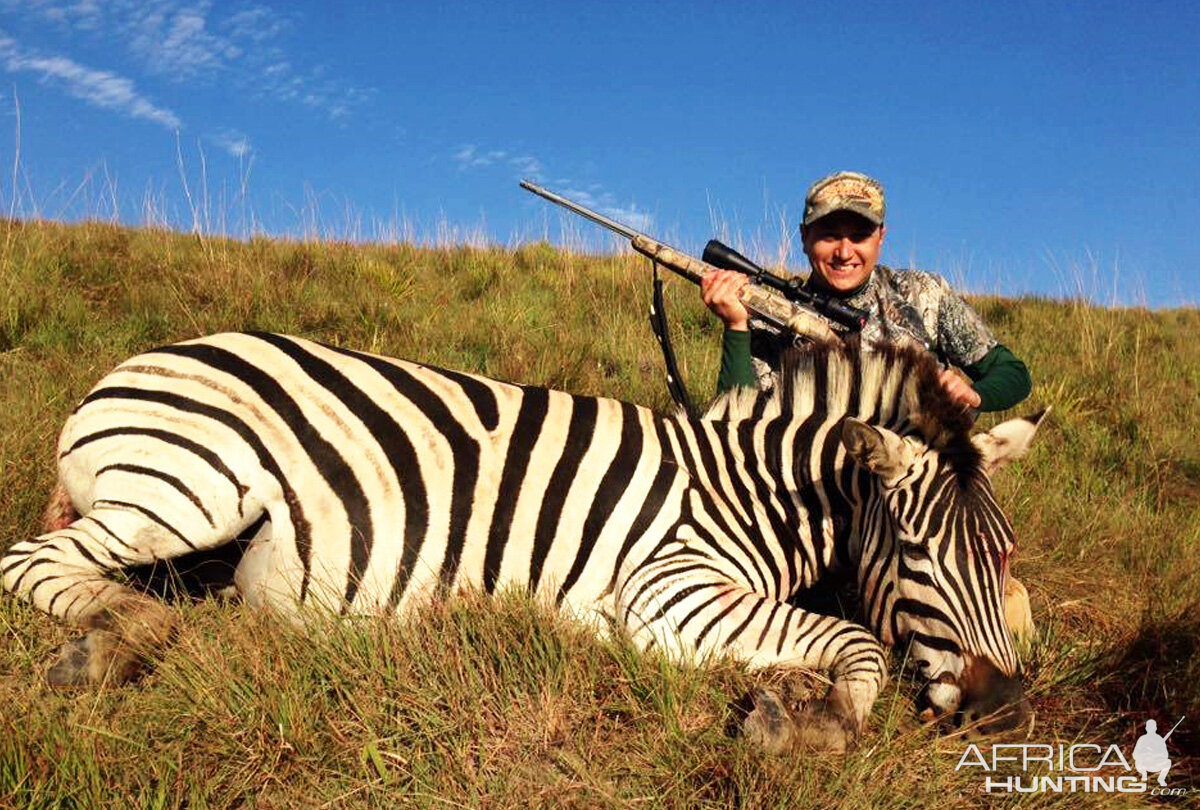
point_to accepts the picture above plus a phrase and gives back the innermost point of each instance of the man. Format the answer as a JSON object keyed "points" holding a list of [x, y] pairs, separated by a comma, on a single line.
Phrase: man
{"points": [[842, 232]]}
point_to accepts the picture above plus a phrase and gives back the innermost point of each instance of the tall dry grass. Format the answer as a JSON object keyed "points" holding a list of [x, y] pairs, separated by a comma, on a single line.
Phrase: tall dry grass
{"points": [[500, 703]]}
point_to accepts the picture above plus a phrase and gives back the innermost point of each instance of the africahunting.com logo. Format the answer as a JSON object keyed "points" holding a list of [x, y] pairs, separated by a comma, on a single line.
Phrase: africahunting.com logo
{"points": [[1075, 768]]}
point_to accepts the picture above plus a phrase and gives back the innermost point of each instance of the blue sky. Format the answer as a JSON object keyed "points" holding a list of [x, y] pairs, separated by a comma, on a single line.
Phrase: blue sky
{"points": [[1046, 147]]}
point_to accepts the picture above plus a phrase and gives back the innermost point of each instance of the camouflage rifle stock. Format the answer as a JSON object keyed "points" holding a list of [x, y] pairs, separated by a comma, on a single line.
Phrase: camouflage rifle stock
{"points": [[765, 304]]}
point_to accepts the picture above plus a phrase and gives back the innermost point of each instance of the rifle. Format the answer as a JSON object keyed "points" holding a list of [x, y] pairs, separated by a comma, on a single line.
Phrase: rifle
{"points": [[780, 302]]}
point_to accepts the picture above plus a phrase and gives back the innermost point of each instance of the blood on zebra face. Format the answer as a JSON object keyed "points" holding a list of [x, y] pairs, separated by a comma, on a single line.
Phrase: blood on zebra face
{"points": [[934, 566]]}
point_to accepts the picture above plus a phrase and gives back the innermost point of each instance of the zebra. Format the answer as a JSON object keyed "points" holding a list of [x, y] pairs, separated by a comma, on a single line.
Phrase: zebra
{"points": [[370, 485]]}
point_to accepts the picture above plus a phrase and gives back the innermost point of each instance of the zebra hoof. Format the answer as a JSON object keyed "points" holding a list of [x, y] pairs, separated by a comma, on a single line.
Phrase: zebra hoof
{"points": [[769, 725], [821, 730], [94, 658], [70, 669]]}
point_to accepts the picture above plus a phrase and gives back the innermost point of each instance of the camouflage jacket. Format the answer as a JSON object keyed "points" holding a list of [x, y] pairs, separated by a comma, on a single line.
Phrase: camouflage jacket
{"points": [[903, 305]]}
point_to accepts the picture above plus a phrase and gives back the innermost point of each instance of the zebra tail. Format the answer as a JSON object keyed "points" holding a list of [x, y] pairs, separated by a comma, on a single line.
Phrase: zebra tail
{"points": [[60, 512]]}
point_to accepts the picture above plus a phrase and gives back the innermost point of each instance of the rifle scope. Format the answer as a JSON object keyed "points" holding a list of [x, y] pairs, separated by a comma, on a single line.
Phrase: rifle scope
{"points": [[718, 254]]}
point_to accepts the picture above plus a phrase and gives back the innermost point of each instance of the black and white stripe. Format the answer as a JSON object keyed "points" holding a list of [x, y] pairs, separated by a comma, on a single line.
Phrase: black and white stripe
{"points": [[371, 483]]}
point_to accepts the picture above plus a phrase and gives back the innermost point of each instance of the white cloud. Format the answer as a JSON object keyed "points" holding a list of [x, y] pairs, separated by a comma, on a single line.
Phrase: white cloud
{"points": [[605, 202], [473, 156], [191, 42], [80, 13], [255, 24], [176, 42], [182, 40], [631, 216], [528, 166], [97, 87], [469, 157], [235, 143], [581, 197]]}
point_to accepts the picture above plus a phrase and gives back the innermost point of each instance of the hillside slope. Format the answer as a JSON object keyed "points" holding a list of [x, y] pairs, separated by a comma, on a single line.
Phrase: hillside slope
{"points": [[501, 704]]}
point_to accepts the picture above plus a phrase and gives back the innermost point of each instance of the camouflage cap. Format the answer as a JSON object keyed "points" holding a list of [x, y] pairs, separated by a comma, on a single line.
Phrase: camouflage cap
{"points": [[844, 191]]}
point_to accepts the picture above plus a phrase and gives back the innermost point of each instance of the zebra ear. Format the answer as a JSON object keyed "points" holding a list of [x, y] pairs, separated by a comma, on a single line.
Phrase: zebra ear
{"points": [[878, 449], [1007, 441]]}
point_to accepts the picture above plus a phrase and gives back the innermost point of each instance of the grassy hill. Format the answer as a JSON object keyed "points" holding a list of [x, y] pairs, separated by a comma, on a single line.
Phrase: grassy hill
{"points": [[500, 704]]}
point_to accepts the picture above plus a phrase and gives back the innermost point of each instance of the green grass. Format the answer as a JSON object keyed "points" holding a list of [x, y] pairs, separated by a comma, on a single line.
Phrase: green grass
{"points": [[501, 703]]}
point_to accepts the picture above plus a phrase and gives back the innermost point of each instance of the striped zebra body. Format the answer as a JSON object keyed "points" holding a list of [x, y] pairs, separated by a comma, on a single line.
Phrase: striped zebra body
{"points": [[370, 484]]}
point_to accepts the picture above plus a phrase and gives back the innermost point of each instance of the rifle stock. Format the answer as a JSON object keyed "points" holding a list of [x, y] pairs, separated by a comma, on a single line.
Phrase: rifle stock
{"points": [[761, 302]]}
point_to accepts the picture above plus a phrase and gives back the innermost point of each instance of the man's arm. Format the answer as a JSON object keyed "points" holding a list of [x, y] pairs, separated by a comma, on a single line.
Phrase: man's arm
{"points": [[1000, 379], [719, 291], [737, 367]]}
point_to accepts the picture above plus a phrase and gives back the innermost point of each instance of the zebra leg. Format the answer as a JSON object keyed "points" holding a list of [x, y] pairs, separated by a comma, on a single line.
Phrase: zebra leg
{"points": [[688, 606], [65, 573]]}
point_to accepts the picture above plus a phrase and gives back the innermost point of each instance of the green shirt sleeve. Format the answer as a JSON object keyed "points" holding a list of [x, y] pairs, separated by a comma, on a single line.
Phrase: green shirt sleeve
{"points": [[736, 366], [1000, 379]]}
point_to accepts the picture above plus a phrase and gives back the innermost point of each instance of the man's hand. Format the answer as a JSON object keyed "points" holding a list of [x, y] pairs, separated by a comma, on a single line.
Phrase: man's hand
{"points": [[959, 389], [720, 289]]}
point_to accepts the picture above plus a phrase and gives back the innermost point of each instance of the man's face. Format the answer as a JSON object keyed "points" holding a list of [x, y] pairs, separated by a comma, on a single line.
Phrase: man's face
{"points": [[843, 249]]}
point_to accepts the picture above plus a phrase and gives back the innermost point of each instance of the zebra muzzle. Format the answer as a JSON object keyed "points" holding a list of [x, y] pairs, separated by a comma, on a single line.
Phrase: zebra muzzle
{"points": [[941, 698], [992, 702]]}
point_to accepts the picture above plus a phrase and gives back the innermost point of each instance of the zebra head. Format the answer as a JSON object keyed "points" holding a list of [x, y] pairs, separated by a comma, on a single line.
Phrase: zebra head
{"points": [[934, 564]]}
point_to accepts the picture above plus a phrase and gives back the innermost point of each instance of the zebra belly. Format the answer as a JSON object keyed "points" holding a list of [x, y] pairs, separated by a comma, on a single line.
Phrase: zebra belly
{"points": [[382, 480]]}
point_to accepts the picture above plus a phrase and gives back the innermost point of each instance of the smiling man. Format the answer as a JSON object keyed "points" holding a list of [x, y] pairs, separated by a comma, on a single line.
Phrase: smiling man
{"points": [[843, 231]]}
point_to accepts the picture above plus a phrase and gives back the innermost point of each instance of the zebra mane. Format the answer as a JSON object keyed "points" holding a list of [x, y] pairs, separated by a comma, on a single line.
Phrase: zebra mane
{"points": [[888, 385]]}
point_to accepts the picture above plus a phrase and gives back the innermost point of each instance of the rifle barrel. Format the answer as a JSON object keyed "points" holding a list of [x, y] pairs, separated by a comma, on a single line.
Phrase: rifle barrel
{"points": [[586, 213]]}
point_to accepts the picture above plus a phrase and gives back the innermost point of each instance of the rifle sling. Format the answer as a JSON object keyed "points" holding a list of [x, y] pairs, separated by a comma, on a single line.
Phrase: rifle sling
{"points": [[658, 323]]}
